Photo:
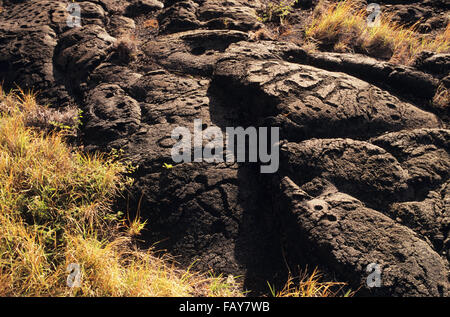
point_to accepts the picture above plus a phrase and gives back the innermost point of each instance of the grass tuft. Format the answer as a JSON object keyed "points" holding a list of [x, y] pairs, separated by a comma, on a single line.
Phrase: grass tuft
{"points": [[310, 285], [278, 11], [126, 48], [343, 26], [441, 99]]}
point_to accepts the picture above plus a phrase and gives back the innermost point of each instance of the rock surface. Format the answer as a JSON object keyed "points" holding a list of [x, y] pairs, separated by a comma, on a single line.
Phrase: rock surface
{"points": [[364, 157]]}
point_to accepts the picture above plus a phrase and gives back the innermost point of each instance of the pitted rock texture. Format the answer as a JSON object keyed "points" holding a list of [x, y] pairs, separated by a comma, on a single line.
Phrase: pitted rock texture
{"points": [[355, 167], [364, 157], [212, 14], [193, 52], [308, 102], [348, 235], [428, 14]]}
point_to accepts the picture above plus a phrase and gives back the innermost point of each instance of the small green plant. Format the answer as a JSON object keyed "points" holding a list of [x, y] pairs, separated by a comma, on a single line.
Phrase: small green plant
{"points": [[167, 166], [279, 11], [442, 97]]}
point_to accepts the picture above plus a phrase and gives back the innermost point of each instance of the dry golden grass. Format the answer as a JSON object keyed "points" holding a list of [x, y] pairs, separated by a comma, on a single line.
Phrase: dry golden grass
{"points": [[56, 210], [344, 25], [441, 99], [310, 285], [43, 118]]}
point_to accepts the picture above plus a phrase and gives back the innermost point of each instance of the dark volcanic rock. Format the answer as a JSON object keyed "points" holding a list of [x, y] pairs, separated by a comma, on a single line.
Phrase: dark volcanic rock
{"points": [[80, 50], [309, 102], [354, 167], [364, 156], [193, 52], [434, 63], [429, 218], [213, 213], [138, 7], [26, 58], [214, 14], [349, 236], [424, 153]]}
